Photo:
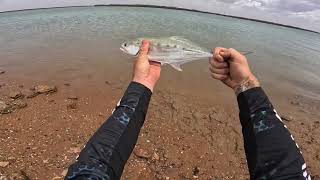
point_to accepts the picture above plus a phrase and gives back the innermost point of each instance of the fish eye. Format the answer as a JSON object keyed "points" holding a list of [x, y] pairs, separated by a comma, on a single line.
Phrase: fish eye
{"points": [[125, 44]]}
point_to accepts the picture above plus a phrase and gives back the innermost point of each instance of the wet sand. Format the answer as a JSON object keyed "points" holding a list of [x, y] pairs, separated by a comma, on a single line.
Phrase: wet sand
{"points": [[192, 128]]}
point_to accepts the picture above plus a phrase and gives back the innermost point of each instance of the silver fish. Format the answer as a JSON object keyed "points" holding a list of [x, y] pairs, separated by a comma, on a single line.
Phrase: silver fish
{"points": [[174, 50]]}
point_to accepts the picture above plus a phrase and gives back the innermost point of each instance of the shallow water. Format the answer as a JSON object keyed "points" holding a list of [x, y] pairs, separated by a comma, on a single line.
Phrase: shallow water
{"points": [[73, 44]]}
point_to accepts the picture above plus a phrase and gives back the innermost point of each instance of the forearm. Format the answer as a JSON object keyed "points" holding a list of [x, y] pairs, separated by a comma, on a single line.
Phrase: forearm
{"points": [[108, 150], [270, 148]]}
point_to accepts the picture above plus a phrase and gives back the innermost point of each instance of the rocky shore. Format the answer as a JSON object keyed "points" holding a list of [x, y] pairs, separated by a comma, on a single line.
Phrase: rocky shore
{"points": [[44, 126]]}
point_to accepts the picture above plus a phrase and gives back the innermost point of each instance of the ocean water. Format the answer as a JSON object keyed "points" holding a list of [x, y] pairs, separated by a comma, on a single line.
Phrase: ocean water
{"points": [[70, 43]]}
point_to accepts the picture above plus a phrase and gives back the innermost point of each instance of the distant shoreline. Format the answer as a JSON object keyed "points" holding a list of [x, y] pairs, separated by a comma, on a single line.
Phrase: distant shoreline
{"points": [[173, 8]]}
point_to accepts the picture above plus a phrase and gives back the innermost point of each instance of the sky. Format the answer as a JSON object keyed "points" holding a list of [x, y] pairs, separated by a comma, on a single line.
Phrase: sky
{"points": [[300, 13]]}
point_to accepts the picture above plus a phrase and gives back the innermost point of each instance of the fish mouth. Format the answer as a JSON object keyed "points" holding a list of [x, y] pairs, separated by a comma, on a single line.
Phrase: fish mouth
{"points": [[123, 49]]}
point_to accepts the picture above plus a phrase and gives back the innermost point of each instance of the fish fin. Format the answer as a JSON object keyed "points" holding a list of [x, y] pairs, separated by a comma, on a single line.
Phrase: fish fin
{"points": [[176, 66]]}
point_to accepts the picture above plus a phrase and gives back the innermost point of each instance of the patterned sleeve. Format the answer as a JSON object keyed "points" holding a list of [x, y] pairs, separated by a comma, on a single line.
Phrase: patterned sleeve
{"points": [[270, 149], [107, 152]]}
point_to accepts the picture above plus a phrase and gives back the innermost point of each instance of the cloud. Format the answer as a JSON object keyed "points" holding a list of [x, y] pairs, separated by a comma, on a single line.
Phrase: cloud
{"points": [[313, 15], [279, 5]]}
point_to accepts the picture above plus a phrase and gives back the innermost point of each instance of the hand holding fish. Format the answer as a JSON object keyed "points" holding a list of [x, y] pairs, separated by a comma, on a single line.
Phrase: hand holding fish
{"points": [[146, 72], [232, 68]]}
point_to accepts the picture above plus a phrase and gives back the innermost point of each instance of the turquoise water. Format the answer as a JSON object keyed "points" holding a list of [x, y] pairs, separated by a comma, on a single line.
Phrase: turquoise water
{"points": [[56, 38]]}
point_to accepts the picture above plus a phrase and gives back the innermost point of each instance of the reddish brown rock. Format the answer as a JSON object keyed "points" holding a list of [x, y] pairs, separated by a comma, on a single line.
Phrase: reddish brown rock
{"points": [[45, 89], [31, 94], [16, 95], [4, 163], [73, 97], [72, 105], [141, 153], [18, 104]]}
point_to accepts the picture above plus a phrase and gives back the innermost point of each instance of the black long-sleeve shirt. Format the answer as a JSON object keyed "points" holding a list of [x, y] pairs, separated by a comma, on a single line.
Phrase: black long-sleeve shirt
{"points": [[270, 148]]}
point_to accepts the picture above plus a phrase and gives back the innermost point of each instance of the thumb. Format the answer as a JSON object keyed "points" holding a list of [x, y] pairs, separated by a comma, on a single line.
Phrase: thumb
{"points": [[144, 49]]}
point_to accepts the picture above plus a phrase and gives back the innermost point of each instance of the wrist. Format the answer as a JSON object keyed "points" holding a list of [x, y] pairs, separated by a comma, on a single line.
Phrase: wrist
{"points": [[249, 83], [145, 83]]}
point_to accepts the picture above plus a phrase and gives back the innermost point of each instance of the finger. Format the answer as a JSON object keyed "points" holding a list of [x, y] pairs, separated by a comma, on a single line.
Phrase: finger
{"points": [[217, 55], [219, 76], [154, 63], [224, 71], [144, 49], [226, 53], [218, 65], [218, 49]]}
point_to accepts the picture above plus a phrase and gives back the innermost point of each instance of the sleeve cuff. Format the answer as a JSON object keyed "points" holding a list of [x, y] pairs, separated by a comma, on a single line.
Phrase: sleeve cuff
{"points": [[135, 93]]}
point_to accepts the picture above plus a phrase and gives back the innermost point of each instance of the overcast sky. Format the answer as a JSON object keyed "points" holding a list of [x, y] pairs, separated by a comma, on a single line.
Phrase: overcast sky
{"points": [[301, 13]]}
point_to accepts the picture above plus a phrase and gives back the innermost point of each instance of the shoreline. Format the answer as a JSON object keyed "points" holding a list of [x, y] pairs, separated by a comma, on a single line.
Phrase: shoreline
{"points": [[171, 8]]}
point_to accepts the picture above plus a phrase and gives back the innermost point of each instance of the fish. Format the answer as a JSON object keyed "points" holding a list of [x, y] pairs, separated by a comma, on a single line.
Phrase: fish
{"points": [[174, 50]]}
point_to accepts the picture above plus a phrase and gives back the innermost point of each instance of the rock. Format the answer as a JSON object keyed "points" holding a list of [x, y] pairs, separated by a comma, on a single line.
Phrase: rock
{"points": [[73, 97], [196, 115], [214, 110], [174, 106], [57, 178], [296, 103], [141, 153], [75, 150], [18, 104], [22, 175], [72, 105], [45, 89], [11, 158], [213, 117], [2, 71], [64, 172], [287, 118], [155, 156], [16, 95], [195, 172], [4, 164], [5, 108], [31, 94]]}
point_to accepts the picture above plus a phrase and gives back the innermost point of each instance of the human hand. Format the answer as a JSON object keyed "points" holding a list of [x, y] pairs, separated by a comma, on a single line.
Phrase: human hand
{"points": [[232, 68], [146, 72]]}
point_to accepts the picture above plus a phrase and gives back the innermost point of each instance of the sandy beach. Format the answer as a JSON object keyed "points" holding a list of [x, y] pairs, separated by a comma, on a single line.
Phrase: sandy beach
{"points": [[189, 132]]}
